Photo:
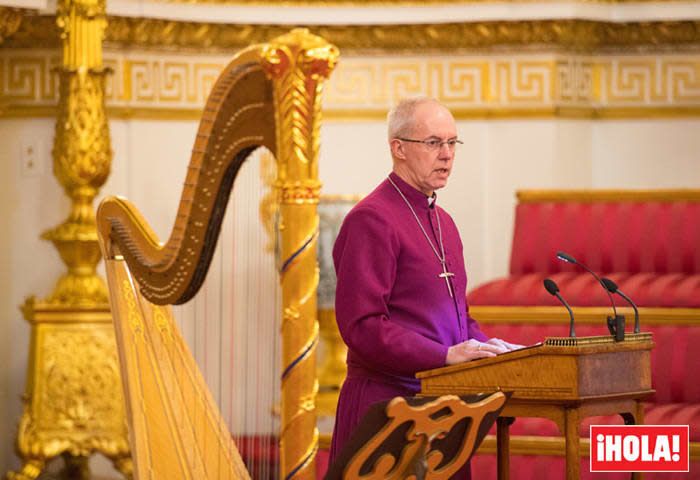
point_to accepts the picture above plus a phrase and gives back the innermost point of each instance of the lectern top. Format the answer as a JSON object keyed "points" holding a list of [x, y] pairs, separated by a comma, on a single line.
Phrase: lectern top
{"points": [[566, 346]]}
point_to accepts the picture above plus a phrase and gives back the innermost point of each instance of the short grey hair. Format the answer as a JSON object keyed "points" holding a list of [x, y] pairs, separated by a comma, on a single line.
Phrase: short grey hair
{"points": [[400, 117]]}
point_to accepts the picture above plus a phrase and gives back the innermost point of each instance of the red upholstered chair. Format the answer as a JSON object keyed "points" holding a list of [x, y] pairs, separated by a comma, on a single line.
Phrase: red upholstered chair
{"points": [[648, 242]]}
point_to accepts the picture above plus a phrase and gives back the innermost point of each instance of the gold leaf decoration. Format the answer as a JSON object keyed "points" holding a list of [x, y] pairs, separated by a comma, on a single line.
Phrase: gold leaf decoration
{"points": [[571, 34]]}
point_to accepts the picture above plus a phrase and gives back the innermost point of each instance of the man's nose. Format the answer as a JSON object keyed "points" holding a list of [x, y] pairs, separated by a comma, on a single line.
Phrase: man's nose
{"points": [[445, 150]]}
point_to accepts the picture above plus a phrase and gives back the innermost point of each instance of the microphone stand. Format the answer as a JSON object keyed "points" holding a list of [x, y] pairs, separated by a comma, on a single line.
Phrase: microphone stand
{"points": [[611, 287], [551, 287], [616, 325]]}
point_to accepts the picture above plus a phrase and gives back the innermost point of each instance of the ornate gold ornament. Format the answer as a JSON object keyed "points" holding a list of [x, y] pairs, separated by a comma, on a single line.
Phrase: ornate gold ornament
{"points": [[569, 34], [74, 404], [577, 34], [82, 160], [82, 154], [298, 63], [10, 20]]}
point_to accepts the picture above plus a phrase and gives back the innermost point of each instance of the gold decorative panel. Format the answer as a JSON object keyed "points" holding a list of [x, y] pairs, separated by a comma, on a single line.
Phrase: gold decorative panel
{"points": [[96, 374], [577, 35], [158, 85]]}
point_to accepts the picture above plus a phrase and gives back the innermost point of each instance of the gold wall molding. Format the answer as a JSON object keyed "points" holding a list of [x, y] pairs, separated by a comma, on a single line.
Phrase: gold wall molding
{"points": [[546, 315], [595, 196], [402, 3], [579, 35], [158, 85]]}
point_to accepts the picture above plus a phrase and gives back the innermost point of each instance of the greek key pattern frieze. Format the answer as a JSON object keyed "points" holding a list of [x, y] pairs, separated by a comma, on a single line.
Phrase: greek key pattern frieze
{"points": [[164, 85], [29, 77]]}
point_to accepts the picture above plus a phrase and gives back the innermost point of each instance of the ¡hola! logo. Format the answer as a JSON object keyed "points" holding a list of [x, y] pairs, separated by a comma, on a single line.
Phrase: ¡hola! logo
{"points": [[639, 448]]}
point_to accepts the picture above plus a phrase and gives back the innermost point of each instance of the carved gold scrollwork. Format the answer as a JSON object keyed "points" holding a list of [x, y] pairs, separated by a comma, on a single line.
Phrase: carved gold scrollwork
{"points": [[465, 35], [307, 192], [82, 160], [82, 154], [571, 34], [10, 20]]}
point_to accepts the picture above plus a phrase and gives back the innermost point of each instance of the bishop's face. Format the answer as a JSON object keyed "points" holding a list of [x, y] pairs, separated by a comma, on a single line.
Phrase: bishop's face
{"points": [[422, 166]]}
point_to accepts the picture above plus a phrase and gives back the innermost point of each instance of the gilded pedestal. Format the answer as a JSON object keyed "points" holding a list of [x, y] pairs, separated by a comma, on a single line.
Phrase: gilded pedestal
{"points": [[73, 404]]}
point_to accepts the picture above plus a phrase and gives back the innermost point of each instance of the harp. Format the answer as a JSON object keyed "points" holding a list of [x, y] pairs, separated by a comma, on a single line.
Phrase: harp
{"points": [[269, 95]]}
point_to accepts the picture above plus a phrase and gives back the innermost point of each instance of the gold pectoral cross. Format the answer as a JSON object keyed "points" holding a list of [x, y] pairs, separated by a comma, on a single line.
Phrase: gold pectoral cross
{"points": [[445, 274]]}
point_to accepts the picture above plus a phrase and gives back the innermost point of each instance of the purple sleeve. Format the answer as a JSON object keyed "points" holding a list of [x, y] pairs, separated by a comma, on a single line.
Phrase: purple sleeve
{"points": [[365, 255]]}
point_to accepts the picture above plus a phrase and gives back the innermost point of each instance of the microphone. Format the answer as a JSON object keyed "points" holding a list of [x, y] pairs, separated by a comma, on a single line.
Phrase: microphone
{"points": [[616, 325], [612, 288], [551, 286]]}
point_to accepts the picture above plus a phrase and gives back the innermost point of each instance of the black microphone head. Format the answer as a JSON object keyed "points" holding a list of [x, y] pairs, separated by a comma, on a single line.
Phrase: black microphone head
{"points": [[609, 285], [566, 257], [551, 286]]}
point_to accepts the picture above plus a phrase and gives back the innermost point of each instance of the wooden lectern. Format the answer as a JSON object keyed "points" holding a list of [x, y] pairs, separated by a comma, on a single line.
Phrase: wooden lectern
{"points": [[410, 438], [563, 379]]}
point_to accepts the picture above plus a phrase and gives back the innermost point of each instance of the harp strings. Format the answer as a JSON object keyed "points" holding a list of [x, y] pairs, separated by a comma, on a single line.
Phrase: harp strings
{"points": [[256, 317], [233, 324]]}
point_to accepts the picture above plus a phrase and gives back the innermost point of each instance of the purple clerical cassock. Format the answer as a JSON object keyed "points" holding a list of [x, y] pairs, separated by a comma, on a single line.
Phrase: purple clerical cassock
{"points": [[394, 310]]}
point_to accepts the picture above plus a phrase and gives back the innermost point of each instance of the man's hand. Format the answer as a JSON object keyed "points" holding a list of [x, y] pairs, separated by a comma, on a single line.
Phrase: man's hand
{"points": [[502, 343], [471, 350]]}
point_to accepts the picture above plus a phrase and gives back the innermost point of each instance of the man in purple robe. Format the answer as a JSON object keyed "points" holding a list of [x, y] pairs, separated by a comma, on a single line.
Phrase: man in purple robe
{"points": [[400, 298]]}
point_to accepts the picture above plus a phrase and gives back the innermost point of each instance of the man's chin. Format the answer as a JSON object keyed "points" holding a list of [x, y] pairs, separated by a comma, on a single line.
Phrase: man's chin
{"points": [[439, 184]]}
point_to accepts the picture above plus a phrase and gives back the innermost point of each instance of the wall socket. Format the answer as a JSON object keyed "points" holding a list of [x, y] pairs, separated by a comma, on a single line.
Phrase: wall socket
{"points": [[33, 164]]}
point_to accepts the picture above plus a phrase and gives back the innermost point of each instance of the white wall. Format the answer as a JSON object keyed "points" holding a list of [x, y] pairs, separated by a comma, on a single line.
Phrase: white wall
{"points": [[646, 154], [32, 202], [499, 156]]}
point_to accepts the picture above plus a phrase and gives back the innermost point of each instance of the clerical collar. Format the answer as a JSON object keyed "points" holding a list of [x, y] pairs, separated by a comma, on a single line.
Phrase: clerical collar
{"points": [[417, 198]]}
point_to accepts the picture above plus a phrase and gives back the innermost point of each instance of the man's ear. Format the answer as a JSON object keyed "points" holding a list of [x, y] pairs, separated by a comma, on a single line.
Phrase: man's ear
{"points": [[396, 146]]}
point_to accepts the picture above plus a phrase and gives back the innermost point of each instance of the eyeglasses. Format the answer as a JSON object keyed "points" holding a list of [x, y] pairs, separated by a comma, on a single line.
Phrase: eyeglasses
{"points": [[435, 144]]}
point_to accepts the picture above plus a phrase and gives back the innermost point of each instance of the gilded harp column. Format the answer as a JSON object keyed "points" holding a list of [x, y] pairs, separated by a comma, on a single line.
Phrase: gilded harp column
{"points": [[298, 63], [73, 405]]}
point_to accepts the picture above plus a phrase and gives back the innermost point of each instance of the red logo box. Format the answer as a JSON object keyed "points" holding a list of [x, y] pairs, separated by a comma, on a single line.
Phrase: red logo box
{"points": [[639, 448]]}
